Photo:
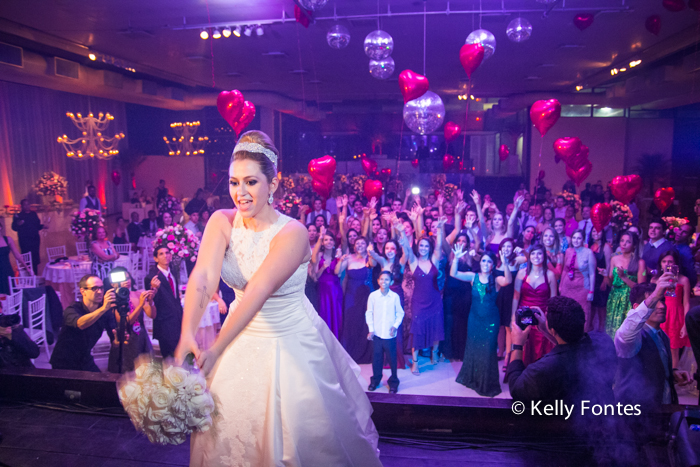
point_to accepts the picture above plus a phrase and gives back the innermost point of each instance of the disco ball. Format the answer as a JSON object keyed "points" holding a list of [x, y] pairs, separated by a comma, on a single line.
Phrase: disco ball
{"points": [[381, 69], [312, 5], [425, 114], [378, 45], [519, 30], [338, 37], [485, 38]]}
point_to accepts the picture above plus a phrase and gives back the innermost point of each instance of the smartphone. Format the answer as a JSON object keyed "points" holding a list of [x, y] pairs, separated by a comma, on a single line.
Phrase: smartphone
{"points": [[415, 190], [673, 269]]}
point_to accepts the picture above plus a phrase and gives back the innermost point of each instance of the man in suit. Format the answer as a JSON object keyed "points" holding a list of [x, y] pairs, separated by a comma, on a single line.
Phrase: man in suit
{"points": [[134, 229], [27, 225], [91, 201], [168, 321], [151, 224]]}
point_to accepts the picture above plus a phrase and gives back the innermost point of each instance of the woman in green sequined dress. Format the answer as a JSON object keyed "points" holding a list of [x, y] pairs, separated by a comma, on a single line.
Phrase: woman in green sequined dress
{"points": [[480, 364], [626, 270]]}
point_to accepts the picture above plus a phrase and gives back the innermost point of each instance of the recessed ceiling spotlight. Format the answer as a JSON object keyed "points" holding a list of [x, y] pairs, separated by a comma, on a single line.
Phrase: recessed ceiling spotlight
{"points": [[92, 57], [204, 34], [259, 30], [248, 31], [237, 31], [226, 32], [217, 34]]}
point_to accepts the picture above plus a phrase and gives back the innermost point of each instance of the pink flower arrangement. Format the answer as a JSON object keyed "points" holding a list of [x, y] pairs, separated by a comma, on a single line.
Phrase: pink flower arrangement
{"points": [[182, 242], [84, 222]]}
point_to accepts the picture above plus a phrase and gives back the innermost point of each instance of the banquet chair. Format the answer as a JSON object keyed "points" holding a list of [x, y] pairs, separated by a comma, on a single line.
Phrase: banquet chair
{"points": [[27, 258], [123, 249], [56, 252], [14, 305], [79, 270], [81, 248], [37, 323], [136, 270], [17, 283]]}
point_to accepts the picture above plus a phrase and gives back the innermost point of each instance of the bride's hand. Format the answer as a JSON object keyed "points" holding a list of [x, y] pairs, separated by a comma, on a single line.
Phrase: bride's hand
{"points": [[186, 346], [206, 361]]}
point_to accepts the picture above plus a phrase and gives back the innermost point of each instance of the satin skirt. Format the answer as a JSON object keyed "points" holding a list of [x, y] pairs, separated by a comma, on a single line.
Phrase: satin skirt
{"points": [[287, 394]]}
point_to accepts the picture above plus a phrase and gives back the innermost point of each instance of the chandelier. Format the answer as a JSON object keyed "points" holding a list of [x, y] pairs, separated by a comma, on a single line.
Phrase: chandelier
{"points": [[92, 143], [184, 142]]}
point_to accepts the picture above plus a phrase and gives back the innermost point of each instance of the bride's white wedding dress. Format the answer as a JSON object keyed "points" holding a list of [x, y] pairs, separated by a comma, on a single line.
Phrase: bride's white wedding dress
{"points": [[287, 393]]}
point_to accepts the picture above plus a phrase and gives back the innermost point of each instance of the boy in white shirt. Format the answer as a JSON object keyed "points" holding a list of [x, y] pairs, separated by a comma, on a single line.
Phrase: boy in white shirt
{"points": [[384, 315]]}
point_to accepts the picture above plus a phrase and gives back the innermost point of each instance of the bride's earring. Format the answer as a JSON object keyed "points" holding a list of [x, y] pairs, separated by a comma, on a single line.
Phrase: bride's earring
{"points": [[271, 199]]}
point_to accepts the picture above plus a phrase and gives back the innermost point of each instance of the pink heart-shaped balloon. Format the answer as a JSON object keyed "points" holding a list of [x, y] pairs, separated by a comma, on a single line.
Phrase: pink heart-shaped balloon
{"points": [[583, 20], [412, 85], [663, 198], [448, 161], [625, 187], [601, 214], [369, 166], [247, 115], [653, 24], [230, 104], [541, 175], [322, 170], [323, 189], [373, 189], [544, 114], [503, 152], [452, 131], [579, 175], [674, 5], [471, 56], [414, 163], [564, 148], [578, 160]]}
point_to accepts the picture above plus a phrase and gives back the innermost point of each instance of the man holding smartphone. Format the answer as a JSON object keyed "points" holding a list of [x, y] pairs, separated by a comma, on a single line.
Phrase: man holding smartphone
{"points": [[83, 324]]}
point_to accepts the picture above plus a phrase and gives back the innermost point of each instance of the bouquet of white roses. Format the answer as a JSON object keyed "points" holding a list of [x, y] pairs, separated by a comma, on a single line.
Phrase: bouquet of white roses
{"points": [[85, 222], [182, 242], [166, 403]]}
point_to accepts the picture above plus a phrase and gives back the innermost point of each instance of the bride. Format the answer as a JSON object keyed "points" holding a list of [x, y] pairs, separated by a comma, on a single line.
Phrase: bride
{"points": [[286, 392]]}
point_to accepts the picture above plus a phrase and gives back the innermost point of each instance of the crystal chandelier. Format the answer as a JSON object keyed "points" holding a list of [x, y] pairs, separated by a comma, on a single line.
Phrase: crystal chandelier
{"points": [[92, 143], [184, 142]]}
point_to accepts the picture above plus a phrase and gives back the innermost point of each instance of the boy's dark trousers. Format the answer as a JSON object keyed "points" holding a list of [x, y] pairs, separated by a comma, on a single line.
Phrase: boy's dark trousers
{"points": [[380, 346]]}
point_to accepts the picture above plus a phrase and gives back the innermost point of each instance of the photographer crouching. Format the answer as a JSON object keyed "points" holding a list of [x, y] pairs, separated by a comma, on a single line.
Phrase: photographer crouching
{"points": [[16, 348]]}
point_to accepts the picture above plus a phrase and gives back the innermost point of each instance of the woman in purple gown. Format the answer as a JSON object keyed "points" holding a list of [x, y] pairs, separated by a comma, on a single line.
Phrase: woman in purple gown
{"points": [[329, 289], [427, 324]]}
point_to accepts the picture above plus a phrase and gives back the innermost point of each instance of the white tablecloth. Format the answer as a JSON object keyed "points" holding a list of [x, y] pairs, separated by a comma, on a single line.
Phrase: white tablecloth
{"points": [[145, 242], [61, 272], [211, 316]]}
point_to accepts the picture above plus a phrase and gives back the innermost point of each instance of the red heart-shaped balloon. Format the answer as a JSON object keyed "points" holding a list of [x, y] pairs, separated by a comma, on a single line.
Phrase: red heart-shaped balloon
{"points": [[471, 56], [564, 148], [230, 105], [583, 20], [625, 187], [369, 166], [323, 189], [579, 175], [414, 163], [452, 131], [303, 17], [322, 169], [247, 115], [503, 152], [541, 175], [663, 198], [373, 189], [448, 161], [544, 114], [412, 85], [653, 24], [694, 5], [601, 214], [578, 160], [674, 5]]}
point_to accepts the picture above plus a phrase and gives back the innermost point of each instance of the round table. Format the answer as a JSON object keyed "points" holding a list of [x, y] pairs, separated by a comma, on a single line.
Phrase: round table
{"points": [[60, 276]]}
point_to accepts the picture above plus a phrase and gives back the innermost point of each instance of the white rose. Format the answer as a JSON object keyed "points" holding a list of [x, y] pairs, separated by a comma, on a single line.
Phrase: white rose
{"points": [[162, 397], [156, 415], [129, 392], [175, 377]]}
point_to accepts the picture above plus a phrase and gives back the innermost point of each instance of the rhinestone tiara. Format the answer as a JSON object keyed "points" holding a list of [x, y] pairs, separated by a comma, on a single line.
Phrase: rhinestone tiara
{"points": [[257, 148]]}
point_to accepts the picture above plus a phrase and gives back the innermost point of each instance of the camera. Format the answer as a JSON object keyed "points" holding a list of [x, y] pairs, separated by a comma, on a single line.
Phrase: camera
{"points": [[115, 277], [525, 317]]}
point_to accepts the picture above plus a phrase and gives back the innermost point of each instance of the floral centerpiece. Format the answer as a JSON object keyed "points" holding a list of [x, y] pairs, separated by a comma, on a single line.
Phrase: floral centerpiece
{"points": [[621, 216], [289, 202], [450, 188], [166, 403], [437, 182], [287, 184], [675, 222], [571, 199], [84, 223], [182, 242], [51, 184], [357, 184], [169, 204]]}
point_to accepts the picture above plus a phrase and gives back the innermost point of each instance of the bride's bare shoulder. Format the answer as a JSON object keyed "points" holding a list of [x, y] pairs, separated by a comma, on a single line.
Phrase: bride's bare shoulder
{"points": [[223, 220]]}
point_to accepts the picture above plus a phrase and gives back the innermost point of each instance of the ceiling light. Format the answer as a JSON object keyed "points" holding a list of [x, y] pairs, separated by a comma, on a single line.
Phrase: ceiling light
{"points": [[635, 63], [237, 31], [204, 34], [92, 57], [623, 69], [578, 88], [217, 34], [226, 32], [614, 71], [259, 30], [248, 31]]}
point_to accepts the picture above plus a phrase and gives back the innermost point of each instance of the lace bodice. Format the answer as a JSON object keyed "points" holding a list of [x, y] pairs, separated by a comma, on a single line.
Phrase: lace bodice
{"points": [[248, 249]]}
